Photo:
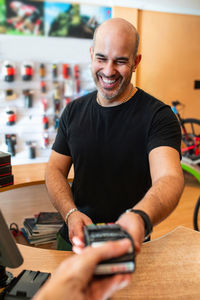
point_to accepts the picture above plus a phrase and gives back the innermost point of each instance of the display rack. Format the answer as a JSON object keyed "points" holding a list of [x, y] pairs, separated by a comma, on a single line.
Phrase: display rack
{"points": [[30, 109]]}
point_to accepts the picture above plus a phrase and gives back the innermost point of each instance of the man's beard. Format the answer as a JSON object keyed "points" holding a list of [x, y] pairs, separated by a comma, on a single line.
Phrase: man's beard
{"points": [[116, 93]]}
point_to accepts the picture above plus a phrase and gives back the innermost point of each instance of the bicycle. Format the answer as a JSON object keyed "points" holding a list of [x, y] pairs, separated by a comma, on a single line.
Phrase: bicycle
{"points": [[196, 216], [190, 128]]}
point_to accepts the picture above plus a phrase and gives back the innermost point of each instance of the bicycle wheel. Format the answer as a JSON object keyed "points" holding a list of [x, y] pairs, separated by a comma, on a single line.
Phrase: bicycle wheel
{"points": [[195, 215], [190, 130]]}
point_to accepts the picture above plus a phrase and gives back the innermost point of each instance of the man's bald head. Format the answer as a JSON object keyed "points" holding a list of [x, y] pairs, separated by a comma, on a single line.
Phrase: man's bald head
{"points": [[120, 27]]}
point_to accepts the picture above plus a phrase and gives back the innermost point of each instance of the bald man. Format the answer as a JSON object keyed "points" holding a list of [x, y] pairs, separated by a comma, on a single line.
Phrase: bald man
{"points": [[124, 145]]}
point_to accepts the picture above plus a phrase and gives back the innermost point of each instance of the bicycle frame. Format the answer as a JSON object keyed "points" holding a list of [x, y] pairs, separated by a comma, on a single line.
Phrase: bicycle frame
{"points": [[194, 147]]}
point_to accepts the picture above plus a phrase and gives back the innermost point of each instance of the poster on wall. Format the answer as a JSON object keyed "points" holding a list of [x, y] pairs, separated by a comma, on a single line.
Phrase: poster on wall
{"points": [[2, 16], [24, 17], [73, 20]]}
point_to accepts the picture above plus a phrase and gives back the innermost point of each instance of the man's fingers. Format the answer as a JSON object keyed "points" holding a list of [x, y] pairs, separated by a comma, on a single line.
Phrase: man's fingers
{"points": [[78, 245]]}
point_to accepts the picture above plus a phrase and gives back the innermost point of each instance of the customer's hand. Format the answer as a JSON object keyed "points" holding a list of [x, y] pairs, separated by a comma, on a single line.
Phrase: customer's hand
{"points": [[76, 222], [134, 224], [73, 280]]}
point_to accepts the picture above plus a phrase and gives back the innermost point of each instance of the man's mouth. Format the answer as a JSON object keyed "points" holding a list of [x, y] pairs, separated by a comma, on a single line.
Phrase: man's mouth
{"points": [[109, 83]]}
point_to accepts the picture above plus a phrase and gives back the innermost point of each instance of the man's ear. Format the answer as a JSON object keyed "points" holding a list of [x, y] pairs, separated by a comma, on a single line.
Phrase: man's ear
{"points": [[91, 52], [137, 61]]}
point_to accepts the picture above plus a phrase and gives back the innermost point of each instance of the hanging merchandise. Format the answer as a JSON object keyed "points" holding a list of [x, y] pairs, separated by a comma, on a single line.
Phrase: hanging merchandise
{"points": [[57, 98], [56, 121], [27, 71], [43, 87], [44, 103], [42, 71], [45, 122], [67, 100], [11, 116], [10, 95], [46, 139], [77, 78], [54, 71], [28, 98], [8, 71], [68, 88], [31, 149], [66, 71], [10, 140]]}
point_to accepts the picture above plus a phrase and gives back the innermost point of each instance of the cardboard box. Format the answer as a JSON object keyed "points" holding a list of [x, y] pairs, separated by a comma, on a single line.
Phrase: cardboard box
{"points": [[6, 180], [5, 170], [5, 159]]}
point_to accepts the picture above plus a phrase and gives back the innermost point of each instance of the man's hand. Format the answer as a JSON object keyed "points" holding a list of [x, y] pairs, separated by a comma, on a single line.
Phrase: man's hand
{"points": [[76, 221], [134, 224], [74, 277]]}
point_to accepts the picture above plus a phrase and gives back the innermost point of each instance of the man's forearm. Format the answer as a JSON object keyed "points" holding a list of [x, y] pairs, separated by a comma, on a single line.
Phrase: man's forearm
{"points": [[162, 198], [59, 191]]}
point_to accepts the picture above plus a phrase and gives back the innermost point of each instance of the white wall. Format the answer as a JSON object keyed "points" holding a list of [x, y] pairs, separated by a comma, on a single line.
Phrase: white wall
{"points": [[44, 49]]}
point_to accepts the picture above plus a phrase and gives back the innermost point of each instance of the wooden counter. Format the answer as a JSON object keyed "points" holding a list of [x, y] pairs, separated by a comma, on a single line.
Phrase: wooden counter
{"points": [[30, 174], [166, 268]]}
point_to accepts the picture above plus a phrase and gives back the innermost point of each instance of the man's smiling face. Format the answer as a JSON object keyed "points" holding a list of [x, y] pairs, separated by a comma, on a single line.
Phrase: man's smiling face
{"points": [[112, 62]]}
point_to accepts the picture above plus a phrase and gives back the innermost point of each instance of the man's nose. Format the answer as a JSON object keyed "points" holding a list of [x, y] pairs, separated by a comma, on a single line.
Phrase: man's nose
{"points": [[109, 68]]}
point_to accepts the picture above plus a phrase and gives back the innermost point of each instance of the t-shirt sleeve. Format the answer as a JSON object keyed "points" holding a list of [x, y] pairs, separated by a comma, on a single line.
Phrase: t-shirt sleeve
{"points": [[165, 130], [61, 141]]}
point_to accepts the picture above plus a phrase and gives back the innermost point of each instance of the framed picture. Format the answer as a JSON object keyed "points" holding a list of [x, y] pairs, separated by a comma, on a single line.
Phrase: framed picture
{"points": [[24, 17], [73, 20]]}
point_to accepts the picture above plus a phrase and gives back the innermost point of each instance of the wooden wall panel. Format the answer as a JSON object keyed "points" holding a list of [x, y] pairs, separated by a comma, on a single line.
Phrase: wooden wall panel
{"points": [[170, 47]]}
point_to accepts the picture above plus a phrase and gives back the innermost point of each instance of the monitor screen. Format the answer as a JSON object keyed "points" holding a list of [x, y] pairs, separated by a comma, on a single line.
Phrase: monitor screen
{"points": [[9, 252]]}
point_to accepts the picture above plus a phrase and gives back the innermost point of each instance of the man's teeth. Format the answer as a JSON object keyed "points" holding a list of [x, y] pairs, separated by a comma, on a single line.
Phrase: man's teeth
{"points": [[108, 81]]}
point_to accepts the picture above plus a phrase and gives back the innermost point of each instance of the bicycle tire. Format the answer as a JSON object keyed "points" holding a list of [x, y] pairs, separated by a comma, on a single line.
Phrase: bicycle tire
{"points": [[191, 123], [195, 215], [192, 127]]}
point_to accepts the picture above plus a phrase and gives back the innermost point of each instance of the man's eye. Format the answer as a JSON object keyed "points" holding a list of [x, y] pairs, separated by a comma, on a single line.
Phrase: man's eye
{"points": [[101, 59], [120, 62]]}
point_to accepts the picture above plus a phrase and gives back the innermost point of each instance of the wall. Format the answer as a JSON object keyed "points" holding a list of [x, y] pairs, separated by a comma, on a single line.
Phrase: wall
{"points": [[171, 58]]}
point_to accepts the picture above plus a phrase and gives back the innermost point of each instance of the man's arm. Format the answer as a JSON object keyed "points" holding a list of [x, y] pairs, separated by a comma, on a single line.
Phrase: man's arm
{"points": [[60, 193], [162, 197]]}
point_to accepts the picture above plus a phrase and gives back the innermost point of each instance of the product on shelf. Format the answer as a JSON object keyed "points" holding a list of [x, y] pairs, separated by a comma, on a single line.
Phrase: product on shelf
{"points": [[46, 139], [43, 86], [11, 142], [27, 71], [56, 121], [11, 116], [31, 149], [10, 94], [44, 103], [45, 121], [42, 70], [66, 71], [28, 98], [54, 71], [68, 88], [8, 71], [57, 98], [67, 100], [77, 78]]}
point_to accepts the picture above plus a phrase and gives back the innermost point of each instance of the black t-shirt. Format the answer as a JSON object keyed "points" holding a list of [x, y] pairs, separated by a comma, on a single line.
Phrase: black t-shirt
{"points": [[109, 147]]}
